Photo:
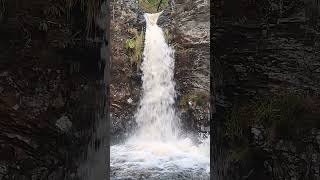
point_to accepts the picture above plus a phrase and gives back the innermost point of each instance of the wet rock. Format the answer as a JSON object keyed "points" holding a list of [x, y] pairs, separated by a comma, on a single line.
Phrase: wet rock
{"points": [[3, 169], [11, 100], [39, 173], [16, 107], [4, 74], [194, 32], [257, 135], [58, 102], [285, 146], [193, 24], [205, 128], [130, 101], [122, 126], [19, 177], [64, 124], [318, 140], [28, 164]]}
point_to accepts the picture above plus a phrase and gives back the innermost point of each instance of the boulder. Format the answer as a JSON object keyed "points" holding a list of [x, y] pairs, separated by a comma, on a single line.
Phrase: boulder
{"points": [[64, 124]]}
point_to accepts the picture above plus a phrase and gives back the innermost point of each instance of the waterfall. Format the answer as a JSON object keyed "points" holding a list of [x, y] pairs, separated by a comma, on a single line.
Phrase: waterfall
{"points": [[156, 150], [156, 116]]}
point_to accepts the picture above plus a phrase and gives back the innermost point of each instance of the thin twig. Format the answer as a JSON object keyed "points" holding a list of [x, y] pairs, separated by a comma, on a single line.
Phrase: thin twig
{"points": [[159, 5]]}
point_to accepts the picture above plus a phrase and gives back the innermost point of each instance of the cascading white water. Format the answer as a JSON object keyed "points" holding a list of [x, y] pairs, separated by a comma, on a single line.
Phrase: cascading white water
{"points": [[155, 150], [156, 117]]}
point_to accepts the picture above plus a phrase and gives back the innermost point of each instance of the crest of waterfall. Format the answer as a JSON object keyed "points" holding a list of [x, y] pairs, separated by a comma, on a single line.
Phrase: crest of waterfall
{"points": [[156, 115]]}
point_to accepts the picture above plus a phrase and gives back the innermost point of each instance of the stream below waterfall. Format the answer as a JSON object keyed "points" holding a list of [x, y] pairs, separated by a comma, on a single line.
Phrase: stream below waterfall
{"points": [[158, 149]]}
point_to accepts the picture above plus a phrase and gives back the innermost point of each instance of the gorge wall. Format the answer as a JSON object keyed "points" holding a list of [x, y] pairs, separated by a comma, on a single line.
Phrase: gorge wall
{"points": [[52, 87], [266, 89]]}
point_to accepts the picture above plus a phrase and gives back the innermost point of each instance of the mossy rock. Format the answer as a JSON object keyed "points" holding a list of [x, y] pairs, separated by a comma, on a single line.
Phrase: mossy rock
{"points": [[198, 98], [135, 46], [285, 116]]}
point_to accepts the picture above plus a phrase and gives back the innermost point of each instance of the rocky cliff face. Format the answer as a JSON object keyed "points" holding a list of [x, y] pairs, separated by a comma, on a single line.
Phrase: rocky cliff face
{"points": [[186, 27], [51, 87], [266, 51], [191, 33]]}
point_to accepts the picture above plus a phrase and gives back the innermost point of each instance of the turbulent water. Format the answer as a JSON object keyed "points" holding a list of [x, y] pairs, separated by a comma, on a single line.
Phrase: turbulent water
{"points": [[157, 150]]}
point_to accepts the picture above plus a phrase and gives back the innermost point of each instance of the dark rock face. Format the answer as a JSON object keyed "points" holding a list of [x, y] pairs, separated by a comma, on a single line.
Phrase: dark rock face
{"points": [[263, 50], [191, 36], [51, 90]]}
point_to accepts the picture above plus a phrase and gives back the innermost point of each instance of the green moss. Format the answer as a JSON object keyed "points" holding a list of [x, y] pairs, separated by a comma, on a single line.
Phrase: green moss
{"points": [[135, 47], [239, 154], [237, 123], [151, 6], [233, 129], [198, 98], [130, 43], [283, 116]]}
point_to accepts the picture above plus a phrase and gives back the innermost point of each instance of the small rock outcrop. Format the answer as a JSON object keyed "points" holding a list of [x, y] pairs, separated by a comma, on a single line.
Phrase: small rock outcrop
{"points": [[64, 124]]}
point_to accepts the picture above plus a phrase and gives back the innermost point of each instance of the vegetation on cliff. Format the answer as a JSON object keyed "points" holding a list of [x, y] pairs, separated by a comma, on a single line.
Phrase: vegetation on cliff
{"points": [[285, 116], [153, 6], [135, 47]]}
